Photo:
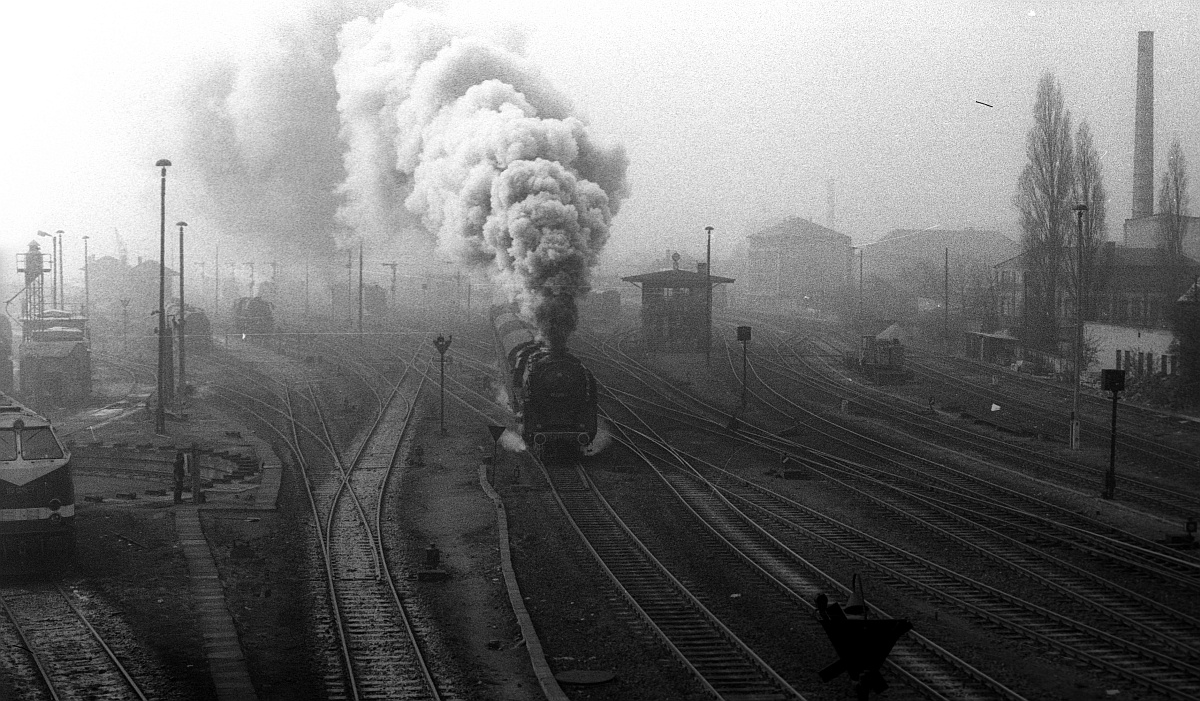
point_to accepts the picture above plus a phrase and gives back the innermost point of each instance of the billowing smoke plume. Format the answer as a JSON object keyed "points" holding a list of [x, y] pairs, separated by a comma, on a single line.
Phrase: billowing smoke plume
{"points": [[260, 129], [467, 137]]}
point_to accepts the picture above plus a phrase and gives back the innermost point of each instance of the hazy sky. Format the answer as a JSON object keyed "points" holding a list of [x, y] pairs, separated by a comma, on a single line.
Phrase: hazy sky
{"points": [[732, 113]]}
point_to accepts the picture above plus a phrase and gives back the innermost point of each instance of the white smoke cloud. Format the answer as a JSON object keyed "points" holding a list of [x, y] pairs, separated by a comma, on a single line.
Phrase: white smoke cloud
{"points": [[260, 127], [464, 136]]}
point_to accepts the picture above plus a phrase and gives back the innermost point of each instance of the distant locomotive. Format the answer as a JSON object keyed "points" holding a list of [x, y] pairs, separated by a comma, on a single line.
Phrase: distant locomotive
{"points": [[882, 360], [198, 330], [554, 394], [37, 495], [253, 316]]}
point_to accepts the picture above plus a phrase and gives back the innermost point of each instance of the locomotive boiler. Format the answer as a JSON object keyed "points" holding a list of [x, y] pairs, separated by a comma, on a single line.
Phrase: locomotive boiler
{"points": [[552, 392], [37, 495]]}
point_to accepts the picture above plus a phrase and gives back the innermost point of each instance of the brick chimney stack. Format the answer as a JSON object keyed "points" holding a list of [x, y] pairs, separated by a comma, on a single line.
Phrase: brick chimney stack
{"points": [[1143, 131]]}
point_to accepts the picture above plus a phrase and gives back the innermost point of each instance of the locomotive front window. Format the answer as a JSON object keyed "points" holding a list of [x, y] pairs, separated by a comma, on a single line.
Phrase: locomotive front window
{"points": [[8, 444], [39, 444]]}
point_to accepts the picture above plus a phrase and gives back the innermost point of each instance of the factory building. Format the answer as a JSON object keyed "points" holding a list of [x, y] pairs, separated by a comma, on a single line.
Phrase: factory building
{"points": [[1132, 293], [796, 264], [1127, 326], [903, 252], [675, 308]]}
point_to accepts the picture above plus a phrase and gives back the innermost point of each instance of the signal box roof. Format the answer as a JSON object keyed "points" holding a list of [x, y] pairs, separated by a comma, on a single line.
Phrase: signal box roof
{"points": [[675, 278]]}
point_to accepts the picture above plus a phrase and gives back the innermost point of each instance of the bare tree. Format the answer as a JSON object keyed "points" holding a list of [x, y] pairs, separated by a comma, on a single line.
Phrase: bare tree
{"points": [[1173, 202], [1043, 199], [1088, 190], [1173, 196]]}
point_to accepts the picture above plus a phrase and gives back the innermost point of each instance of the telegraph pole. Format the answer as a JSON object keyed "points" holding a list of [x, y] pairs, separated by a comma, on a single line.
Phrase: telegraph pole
{"points": [[160, 416], [1079, 210], [708, 296], [393, 290], [743, 335], [87, 287], [182, 319], [360, 290]]}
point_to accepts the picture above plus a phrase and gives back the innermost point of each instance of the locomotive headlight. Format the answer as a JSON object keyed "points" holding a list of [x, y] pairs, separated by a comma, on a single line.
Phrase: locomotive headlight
{"points": [[55, 517], [55, 505], [583, 439]]}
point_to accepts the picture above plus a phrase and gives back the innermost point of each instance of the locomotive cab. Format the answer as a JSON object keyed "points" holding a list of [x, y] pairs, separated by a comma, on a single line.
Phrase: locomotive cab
{"points": [[37, 496]]}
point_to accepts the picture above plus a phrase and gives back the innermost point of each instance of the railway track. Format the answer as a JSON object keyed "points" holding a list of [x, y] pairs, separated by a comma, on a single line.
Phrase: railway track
{"points": [[71, 658], [725, 666], [1165, 641], [375, 639], [1018, 459], [929, 670]]}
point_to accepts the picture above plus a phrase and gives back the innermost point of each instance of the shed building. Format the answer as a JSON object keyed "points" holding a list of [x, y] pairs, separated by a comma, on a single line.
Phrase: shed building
{"points": [[675, 309], [56, 368]]}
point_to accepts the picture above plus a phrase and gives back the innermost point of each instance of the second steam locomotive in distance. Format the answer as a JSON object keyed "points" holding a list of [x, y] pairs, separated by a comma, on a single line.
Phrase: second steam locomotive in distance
{"points": [[552, 392]]}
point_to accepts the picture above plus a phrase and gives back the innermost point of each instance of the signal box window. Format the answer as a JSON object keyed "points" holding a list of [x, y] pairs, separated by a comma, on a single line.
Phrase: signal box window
{"points": [[39, 444], [8, 445]]}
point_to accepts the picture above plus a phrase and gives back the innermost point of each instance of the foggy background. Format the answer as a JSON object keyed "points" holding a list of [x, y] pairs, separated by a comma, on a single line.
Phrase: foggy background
{"points": [[731, 114]]}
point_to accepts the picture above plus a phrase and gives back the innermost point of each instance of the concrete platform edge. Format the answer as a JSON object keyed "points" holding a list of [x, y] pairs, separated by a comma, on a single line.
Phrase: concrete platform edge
{"points": [[537, 658]]}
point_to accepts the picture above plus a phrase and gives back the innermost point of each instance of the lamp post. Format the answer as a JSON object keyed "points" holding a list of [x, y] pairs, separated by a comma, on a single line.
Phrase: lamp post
{"points": [[708, 296], [443, 344], [1079, 210], [182, 319], [160, 417], [53, 270]]}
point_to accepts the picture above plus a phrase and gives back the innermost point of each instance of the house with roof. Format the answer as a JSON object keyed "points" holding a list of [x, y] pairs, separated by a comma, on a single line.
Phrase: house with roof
{"points": [[675, 316]]}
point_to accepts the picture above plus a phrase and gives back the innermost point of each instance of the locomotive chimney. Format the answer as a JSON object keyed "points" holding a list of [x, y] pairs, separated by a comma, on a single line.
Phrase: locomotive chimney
{"points": [[1143, 132]]}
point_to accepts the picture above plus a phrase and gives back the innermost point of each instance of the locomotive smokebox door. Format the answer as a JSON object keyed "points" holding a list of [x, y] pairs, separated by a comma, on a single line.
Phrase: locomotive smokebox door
{"points": [[743, 333], [1112, 380]]}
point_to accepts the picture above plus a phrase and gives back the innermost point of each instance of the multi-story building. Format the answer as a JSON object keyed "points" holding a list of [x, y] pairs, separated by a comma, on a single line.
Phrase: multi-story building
{"points": [[796, 262]]}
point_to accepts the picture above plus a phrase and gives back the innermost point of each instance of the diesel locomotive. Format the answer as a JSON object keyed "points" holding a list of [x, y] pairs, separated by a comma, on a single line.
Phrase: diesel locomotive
{"points": [[552, 393], [37, 495]]}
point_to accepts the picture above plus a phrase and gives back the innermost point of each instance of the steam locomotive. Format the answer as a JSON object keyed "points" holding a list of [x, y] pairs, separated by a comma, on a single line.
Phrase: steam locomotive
{"points": [[37, 495], [253, 316], [553, 393]]}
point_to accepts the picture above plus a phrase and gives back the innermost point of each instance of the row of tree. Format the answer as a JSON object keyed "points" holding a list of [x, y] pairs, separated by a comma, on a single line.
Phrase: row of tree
{"points": [[1063, 171]]}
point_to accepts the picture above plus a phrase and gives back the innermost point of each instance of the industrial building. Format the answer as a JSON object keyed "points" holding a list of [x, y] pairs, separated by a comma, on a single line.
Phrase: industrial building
{"points": [[796, 264]]}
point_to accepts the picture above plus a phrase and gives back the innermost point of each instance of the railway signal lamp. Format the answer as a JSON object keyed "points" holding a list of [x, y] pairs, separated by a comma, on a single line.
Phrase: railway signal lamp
{"points": [[443, 344], [1112, 381], [862, 643], [496, 432]]}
